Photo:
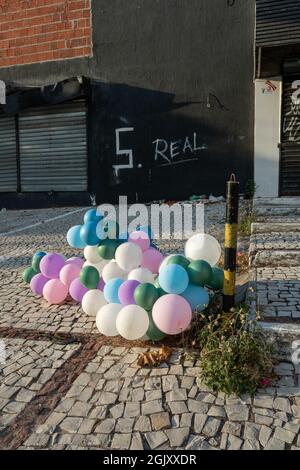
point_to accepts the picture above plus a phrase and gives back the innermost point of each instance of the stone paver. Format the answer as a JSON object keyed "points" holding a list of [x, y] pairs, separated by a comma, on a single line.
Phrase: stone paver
{"points": [[23, 373]]}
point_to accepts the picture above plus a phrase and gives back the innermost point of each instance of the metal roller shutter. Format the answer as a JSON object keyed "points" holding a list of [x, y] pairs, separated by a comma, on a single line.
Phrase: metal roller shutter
{"points": [[290, 142], [277, 22], [8, 155], [53, 148]]}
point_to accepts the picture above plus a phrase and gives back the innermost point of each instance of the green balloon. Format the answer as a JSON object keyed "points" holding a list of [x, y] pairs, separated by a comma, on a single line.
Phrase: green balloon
{"points": [[217, 279], [37, 259], [153, 332], [107, 248], [28, 274], [178, 259], [89, 277], [200, 273], [161, 292], [145, 295]]}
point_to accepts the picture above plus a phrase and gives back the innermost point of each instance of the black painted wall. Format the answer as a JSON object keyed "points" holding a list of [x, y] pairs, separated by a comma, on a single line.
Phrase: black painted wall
{"points": [[170, 69]]}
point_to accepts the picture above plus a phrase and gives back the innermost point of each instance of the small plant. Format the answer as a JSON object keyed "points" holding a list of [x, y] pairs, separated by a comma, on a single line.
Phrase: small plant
{"points": [[250, 189], [247, 218], [234, 356]]}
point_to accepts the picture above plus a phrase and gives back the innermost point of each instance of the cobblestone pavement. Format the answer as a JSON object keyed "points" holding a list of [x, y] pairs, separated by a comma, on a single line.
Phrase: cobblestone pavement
{"points": [[28, 366], [278, 292], [88, 394], [275, 256], [115, 404]]}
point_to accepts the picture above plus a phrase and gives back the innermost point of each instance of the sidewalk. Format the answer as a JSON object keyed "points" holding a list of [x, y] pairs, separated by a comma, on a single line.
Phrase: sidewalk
{"points": [[90, 393], [275, 260]]}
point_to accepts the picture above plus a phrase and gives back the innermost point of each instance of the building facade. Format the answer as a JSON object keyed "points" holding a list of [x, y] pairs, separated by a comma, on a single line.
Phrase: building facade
{"points": [[153, 99], [277, 98]]}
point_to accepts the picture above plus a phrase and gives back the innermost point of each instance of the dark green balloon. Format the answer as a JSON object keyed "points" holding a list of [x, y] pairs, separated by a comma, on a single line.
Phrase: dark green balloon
{"points": [[89, 277], [217, 279], [178, 259], [37, 259], [107, 248], [28, 274], [145, 295], [200, 273], [153, 332], [161, 292]]}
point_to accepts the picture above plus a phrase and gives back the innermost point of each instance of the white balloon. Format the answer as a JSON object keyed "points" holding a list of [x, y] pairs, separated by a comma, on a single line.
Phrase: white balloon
{"points": [[91, 254], [112, 271], [106, 319], [92, 301], [132, 322], [143, 275], [129, 256], [99, 266], [203, 247]]}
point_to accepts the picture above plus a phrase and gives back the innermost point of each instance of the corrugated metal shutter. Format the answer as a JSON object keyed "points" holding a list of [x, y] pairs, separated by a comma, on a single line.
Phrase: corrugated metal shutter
{"points": [[290, 142], [53, 148], [277, 22], [8, 153]]}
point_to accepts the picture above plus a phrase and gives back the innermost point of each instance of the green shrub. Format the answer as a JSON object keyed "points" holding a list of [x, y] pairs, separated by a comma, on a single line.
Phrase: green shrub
{"points": [[234, 357]]}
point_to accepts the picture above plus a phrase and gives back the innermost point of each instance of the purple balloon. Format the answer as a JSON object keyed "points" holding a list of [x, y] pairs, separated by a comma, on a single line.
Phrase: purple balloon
{"points": [[77, 290], [101, 284], [51, 265], [126, 292], [37, 283]]}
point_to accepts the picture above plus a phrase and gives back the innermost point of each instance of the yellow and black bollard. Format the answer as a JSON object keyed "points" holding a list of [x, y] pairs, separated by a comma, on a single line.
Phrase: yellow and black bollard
{"points": [[231, 234]]}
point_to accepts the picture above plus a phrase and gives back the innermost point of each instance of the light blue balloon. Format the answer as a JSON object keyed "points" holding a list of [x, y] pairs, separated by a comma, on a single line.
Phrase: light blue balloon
{"points": [[88, 234], [74, 238], [197, 297], [173, 279], [111, 291], [92, 216]]}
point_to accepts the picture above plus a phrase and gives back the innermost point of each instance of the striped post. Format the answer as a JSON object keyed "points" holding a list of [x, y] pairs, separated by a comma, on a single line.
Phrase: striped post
{"points": [[231, 234]]}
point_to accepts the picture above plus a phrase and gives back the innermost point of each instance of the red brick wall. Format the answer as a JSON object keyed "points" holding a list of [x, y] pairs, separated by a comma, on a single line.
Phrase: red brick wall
{"points": [[42, 30]]}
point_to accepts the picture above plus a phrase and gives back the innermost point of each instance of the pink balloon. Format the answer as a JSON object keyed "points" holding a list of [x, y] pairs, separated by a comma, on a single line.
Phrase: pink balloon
{"points": [[172, 314], [75, 260], [101, 285], [55, 292], [126, 292], [68, 273], [152, 259], [51, 265], [141, 239], [77, 290], [37, 283]]}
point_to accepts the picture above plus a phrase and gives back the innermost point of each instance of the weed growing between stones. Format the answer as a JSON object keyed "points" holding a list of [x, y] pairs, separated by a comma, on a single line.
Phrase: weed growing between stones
{"points": [[247, 218], [234, 356]]}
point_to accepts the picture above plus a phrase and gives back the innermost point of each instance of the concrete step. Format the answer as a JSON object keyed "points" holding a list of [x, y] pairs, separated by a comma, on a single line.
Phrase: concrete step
{"points": [[282, 201], [273, 258], [277, 227], [277, 211]]}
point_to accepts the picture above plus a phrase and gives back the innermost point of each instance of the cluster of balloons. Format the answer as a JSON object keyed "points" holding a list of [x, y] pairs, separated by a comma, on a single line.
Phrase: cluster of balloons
{"points": [[149, 296], [91, 231], [126, 283], [53, 276]]}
